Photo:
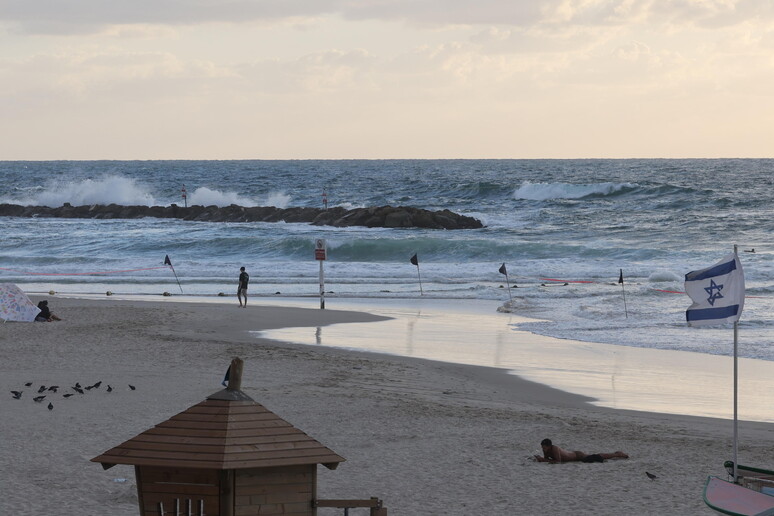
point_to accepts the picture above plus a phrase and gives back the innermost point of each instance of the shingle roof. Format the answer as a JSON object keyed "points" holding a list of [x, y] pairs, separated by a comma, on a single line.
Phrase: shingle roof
{"points": [[228, 430]]}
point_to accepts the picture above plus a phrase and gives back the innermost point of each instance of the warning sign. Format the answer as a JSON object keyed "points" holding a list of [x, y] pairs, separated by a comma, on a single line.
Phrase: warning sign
{"points": [[320, 251]]}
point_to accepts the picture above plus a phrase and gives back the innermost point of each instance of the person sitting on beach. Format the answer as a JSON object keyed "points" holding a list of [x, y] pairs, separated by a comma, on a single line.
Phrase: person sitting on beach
{"points": [[45, 314], [556, 455]]}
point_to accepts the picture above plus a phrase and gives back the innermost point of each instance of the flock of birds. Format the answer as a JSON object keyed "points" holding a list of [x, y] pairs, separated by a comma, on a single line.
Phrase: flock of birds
{"points": [[53, 389]]}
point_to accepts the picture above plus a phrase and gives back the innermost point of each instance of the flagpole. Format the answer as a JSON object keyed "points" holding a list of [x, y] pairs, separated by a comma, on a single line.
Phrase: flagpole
{"points": [[736, 388], [167, 261], [414, 260], [508, 284], [621, 281], [178, 280]]}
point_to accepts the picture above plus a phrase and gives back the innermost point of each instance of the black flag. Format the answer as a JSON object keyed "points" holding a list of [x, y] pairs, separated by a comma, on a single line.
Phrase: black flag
{"points": [[414, 260], [167, 261], [620, 278], [503, 269]]}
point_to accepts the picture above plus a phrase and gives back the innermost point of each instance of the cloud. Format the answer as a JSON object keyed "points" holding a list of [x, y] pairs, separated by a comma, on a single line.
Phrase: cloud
{"points": [[90, 16]]}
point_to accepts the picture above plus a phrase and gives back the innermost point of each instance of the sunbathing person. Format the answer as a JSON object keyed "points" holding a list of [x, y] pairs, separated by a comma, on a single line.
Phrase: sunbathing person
{"points": [[556, 455]]}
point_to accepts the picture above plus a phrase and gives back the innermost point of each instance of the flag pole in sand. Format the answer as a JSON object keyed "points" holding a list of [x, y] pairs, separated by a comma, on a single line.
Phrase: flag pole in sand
{"points": [[415, 261], [718, 294], [504, 270], [321, 254], [736, 385], [167, 261], [621, 281]]}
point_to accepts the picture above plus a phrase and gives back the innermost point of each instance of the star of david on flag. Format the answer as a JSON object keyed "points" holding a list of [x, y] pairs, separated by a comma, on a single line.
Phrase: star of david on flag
{"points": [[717, 293]]}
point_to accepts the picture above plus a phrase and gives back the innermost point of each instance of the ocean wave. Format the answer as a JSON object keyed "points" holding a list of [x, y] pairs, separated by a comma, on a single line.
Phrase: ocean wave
{"points": [[664, 277], [126, 191], [106, 190], [204, 196], [549, 191]]}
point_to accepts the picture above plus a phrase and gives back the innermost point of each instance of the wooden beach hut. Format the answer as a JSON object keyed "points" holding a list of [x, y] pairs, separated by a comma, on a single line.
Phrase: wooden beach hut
{"points": [[226, 456]]}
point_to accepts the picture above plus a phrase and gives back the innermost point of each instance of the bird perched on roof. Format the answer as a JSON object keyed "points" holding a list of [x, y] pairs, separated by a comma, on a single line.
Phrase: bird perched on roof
{"points": [[132, 387], [53, 388], [96, 385], [17, 394], [28, 384], [42, 388], [109, 388], [38, 399], [651, 476], [68, 395], [78, 390], [50, 406]]}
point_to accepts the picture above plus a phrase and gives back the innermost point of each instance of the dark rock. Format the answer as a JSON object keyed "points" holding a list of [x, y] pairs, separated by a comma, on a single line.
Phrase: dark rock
{"points": [[375, 216]]}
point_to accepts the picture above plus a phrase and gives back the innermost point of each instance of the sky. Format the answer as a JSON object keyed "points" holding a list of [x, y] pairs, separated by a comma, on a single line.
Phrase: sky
{"points": [[377, 79]]}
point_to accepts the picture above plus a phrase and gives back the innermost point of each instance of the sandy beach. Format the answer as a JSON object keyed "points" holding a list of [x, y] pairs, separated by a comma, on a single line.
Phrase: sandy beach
{"points": [[427, 437]]}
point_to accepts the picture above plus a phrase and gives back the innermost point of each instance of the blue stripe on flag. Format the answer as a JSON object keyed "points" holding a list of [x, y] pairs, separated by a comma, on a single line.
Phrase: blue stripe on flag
{"points": [[704, 314], [718, 270]]}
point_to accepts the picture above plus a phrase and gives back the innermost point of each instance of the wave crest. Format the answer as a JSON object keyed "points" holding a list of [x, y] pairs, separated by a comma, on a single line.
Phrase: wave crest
{"points": [[207, 197], [106, 190], [115, 189], [547, 191]]}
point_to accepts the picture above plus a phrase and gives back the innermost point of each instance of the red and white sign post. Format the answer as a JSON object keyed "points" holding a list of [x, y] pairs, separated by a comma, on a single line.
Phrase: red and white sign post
{"points": [[321, 254]]}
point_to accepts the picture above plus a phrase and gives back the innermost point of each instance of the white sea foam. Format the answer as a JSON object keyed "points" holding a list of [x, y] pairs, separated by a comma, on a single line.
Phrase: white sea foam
{"points": [[278, 200], [106, 190], [545, 191], [207, 197]]}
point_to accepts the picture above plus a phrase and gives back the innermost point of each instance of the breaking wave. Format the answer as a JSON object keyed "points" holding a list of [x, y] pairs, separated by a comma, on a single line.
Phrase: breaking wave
{"points": [[547, 191], [207, 197], [114, 189], [107, 190]]}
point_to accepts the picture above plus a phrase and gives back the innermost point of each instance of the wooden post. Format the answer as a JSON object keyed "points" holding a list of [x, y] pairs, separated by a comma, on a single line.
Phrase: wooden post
{"points": [[227, 491], [235, 376], [138, 479]]}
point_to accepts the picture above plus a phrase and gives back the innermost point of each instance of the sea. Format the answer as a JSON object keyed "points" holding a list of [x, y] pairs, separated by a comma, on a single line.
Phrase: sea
{"points": [[564, 231]]}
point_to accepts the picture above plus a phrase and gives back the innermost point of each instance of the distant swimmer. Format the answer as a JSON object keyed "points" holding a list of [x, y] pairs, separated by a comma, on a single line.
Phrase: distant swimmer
{"points": [[749, 250], [556, 455]]}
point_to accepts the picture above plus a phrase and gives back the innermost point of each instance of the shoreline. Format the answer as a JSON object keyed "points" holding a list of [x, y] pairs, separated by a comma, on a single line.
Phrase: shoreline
{"points": [[604, 375], [428, 437]]}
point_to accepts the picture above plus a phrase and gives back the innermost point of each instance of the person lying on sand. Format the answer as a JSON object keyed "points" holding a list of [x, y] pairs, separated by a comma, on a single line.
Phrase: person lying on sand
{"points": [[556, 455]]}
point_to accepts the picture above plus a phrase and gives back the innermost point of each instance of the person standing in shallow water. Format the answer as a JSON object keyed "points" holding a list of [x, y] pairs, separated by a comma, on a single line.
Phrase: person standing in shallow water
{"points": [[244, 279]]}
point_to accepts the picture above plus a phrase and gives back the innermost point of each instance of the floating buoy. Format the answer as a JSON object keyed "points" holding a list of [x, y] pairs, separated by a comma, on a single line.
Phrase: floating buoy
{"points": [[108, 293], [51, 292]]}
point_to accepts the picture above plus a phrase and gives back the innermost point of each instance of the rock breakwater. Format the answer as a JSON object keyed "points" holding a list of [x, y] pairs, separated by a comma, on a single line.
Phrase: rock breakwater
{"points": [[380, 216]]}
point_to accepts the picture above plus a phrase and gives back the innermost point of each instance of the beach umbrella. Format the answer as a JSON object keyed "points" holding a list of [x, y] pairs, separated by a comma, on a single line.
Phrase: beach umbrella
{"points": [[15, 305]]}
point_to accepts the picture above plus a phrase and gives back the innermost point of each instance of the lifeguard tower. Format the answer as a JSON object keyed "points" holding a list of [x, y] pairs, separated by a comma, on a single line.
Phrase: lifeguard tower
{"points": [[228, 456]]}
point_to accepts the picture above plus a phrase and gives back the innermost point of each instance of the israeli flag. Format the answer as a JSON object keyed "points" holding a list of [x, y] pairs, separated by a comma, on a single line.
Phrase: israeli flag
{"points": [[717, 293]]}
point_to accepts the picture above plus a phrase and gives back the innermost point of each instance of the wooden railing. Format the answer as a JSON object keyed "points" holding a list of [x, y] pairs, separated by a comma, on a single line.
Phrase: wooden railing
{"points": [[375, 504]]}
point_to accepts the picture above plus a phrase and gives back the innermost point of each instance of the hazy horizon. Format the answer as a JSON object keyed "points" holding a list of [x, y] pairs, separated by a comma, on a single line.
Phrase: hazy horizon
{"points": [[429, 79]]}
